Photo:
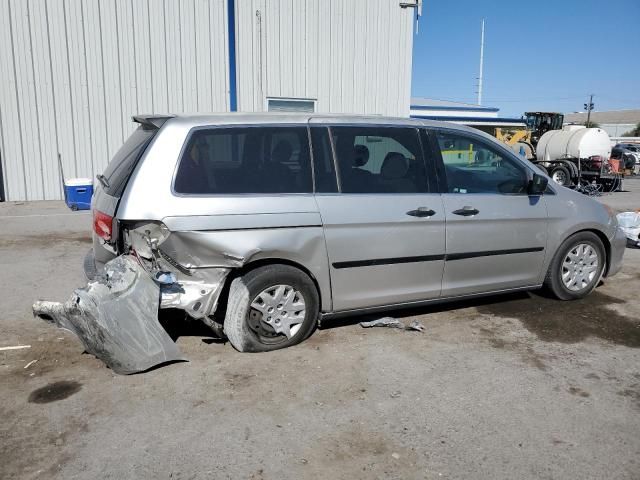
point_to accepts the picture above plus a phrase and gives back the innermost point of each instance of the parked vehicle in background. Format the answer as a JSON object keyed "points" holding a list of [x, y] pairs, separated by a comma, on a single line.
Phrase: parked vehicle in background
{"points": [[628, 154], [575, 155], [259, 225], [526, 139], [572, 155]]}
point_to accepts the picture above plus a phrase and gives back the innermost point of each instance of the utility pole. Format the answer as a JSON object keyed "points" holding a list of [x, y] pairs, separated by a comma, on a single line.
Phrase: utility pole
{"points": [[588, 107], [481, 63]]}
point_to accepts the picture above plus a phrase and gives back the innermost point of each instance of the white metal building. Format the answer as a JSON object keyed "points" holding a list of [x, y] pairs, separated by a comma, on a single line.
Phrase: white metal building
{"points": [[615, 122], [73, 72], [462, 113]]}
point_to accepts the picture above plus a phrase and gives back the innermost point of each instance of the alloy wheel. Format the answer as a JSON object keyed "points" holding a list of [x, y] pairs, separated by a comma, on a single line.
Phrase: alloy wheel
{"points": [[580, 267]]}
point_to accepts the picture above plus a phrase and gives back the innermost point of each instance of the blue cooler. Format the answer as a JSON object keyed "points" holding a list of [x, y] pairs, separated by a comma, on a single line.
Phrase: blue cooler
{"points": [[78, 193]]}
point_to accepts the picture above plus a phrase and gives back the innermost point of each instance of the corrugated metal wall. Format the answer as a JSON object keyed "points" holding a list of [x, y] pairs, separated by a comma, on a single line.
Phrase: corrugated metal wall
{"points": [[73, 72], [352, 56]]}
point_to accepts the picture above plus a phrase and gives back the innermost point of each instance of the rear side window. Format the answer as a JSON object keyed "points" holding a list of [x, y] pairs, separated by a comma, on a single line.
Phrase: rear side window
{"points": [[122, 164], [245, 160], [379, 160]]}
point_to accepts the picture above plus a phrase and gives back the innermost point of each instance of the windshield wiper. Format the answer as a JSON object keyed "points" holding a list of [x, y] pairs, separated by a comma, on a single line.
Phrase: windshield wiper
{"points": [[103, 180]]}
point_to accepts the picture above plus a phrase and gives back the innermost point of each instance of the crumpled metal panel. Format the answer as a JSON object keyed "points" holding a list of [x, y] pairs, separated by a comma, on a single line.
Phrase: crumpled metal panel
{"points": [[116, 318]]}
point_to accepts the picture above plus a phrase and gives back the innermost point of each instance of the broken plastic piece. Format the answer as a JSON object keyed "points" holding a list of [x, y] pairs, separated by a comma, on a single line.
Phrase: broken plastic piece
{"points": [[393, 323], [383, 322], [116, 318], [165, 278], [415, 325]]}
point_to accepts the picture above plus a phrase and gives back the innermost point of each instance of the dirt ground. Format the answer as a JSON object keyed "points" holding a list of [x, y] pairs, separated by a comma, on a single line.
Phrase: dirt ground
{"points": [[517, 386]]}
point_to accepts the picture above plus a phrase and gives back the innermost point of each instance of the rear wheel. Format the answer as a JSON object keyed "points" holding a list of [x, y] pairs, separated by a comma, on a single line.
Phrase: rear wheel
{"points": [[576, 267], [561, 175], [271, 307]]}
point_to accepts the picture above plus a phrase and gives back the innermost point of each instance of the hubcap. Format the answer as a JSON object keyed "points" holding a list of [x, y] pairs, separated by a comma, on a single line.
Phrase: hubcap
{"points": [[579, 267], [277, 310], [559, 177]]}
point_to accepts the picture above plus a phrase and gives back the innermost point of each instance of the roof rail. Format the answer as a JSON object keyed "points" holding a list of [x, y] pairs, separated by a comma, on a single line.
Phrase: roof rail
{"points": [[151, 121]]}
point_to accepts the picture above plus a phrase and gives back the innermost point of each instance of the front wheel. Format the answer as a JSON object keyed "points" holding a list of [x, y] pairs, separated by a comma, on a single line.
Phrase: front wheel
{"points": [[271, 307], [576, 267]]}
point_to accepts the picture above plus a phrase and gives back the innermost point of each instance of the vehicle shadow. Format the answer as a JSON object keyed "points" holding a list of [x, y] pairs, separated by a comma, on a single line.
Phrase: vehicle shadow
{"points": [[598, 315], [404, 312]]}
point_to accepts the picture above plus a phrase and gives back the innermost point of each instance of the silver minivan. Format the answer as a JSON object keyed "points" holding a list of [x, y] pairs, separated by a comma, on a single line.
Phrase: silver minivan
{"points": [[260, 225]]}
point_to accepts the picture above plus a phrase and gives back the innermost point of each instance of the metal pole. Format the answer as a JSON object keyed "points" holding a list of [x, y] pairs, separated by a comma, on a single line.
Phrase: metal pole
{"points": [[481, 62], [590, 106]]}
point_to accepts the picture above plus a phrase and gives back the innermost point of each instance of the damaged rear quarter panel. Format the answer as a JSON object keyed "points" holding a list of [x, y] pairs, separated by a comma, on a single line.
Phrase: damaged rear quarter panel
{"points": [[226, 231], [226, 241]]}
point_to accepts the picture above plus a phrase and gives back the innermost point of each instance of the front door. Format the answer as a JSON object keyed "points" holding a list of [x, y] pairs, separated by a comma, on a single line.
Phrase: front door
{"points": [[384, 230], [496, 233]]}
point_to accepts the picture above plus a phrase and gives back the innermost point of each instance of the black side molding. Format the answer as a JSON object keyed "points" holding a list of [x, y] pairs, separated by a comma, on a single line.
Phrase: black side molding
{"points": [[387, 261], [491, 253], [431, 258]]}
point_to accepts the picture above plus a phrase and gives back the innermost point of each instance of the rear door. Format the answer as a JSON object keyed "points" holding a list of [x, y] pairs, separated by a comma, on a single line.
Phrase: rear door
{"points": [[496, 233], [384, 226]]}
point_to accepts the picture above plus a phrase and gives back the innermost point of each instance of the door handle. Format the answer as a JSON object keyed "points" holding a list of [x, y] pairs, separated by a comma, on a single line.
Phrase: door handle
{"points": [[466, 211], [421, 212]]}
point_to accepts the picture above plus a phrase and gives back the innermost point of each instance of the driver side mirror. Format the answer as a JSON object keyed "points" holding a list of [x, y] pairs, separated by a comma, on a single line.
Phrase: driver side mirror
{"points": [[537, 185]]}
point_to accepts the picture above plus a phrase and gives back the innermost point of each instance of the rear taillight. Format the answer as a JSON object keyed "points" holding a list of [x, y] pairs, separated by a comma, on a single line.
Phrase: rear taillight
{"points": [[102, 225]]}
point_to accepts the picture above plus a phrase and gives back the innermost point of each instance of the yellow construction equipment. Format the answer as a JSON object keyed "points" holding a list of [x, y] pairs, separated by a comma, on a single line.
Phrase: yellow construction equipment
{"points": [[524, 140]]}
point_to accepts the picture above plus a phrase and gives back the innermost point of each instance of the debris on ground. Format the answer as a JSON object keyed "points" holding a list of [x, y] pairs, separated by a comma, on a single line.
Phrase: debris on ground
{"points": [[629, 223], [415, 325], [14, 347], [29, 364], [116, 318], [395, 394], [383, 322], [390, 322]]}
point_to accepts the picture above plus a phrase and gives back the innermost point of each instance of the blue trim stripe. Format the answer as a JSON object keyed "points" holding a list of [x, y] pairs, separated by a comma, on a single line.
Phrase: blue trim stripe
{"points": [[459, 109], [231, 18]]}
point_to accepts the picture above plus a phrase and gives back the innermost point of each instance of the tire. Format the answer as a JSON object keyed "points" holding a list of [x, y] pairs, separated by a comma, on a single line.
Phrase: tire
{"points": [[247, 328], [561, 175], [561, 265], [573, 170]]}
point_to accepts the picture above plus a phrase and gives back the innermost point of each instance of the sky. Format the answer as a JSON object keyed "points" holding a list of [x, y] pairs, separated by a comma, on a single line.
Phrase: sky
{"points": [[539, 55]]}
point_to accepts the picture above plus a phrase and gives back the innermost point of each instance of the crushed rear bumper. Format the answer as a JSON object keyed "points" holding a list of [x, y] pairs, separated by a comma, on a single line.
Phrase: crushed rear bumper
{"points": [[116, 318]]}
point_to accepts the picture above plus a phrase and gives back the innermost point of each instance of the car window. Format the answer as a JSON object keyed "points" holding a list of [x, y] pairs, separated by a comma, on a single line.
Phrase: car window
{"points": [[245, 160], [379, 160], [473, 166], [125, 160]]}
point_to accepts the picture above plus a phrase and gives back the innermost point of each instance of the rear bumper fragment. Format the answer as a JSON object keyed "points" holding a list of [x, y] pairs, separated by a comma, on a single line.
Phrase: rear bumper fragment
{"points": [[116, 318]]}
